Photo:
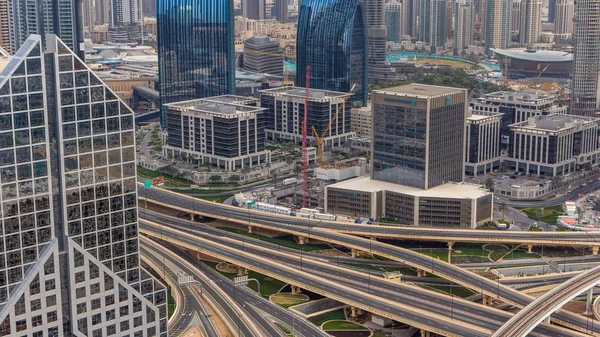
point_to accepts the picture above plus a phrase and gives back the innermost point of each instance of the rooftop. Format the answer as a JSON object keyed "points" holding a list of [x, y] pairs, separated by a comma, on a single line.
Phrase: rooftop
{"points": [[557, 122], [449, 190], [314, 94], [520, 96], [536, 55], [226, 106], [420, 90]]}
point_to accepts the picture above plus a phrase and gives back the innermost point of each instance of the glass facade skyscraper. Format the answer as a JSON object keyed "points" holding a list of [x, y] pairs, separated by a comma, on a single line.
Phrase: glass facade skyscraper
{"points": [[332, 40], [196, 49], [69, 252]]}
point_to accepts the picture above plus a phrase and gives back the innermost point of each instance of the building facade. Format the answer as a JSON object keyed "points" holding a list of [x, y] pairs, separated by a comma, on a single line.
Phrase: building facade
{"points": [[498, 24], [196, 52], [285, 114], [554, 145], [563, 23], [482, 144], [393, 21], [253, 9], [361, 121], [68, 176], [334, 66], [586, 53], [4, 26], [410, 12], [432, 23], [227, 132], [281, 11], [516, 107], [531, 22], [377, 38], [464, 19], [262, 55], [420, 135], [61, 17]]}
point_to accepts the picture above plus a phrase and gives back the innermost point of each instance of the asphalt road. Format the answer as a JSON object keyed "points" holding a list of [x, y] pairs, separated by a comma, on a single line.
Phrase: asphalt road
{"points": [[416, 297], [327, 230]]}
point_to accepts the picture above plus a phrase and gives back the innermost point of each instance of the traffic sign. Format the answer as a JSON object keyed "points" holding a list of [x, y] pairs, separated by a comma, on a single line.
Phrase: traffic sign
{"points": [[240, 280], [148, 183]]}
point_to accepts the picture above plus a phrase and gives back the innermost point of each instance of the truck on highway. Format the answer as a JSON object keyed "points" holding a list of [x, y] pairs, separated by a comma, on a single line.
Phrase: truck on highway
{"points": [[325, 216]]}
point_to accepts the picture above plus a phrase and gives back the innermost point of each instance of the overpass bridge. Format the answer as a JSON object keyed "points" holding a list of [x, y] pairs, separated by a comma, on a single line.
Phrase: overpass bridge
{"points": [[421, 299], [443, 269], [199, 207]]}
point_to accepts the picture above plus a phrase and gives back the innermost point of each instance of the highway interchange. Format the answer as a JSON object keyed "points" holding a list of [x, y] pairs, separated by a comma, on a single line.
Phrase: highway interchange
{"points": [[337, 233]]}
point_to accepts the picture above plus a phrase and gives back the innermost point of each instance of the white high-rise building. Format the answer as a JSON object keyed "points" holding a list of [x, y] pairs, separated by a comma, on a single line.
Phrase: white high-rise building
{"points": [[70, 262], [586, 53], [464, 19], [563, 20], [498, 24], [531, 22]]}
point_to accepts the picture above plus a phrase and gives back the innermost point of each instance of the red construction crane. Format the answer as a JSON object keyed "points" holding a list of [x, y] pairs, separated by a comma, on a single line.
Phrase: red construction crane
{"points": [[304, 150]]}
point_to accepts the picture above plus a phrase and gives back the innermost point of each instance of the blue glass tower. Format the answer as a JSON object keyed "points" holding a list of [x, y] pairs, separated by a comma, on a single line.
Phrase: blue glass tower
{"points": [[332, 39], [196, 50]]}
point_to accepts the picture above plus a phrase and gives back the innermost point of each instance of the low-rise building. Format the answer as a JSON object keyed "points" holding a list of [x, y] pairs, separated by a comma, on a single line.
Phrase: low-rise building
{"points": [[482, 142], [262, 55], [451, 205], [360, 121], [553, 145], [224, 131]]}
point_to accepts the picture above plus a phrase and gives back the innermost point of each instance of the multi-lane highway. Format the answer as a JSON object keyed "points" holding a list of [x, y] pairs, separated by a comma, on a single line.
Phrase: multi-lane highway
{"points": [[336, 233], [436, 304], [185, 203]]}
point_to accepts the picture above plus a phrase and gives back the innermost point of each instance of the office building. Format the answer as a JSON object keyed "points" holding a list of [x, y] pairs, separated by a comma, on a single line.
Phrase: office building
{"points": [[393, 21], [552, 10], [281, 11], [553, 145], [498, 24], [124, 25], [60, 17], [432, 23], [334, 66], [531, 22], [285, 114], [227, 132], [482, 144], [377, 38], [196, 53], [69, 192], [262, 55], [4, 26], [516, 23], [452, 205], [410, 11], [586, 53], [516, 107], [361, 121], [563, 22], [420, 135], [253, 9], [464, 20]]}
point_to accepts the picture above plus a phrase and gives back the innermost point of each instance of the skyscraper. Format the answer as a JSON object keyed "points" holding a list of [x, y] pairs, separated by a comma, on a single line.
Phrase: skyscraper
{"points": [[281, 11], [332, 40], [420, 135], [393, 20], [563, 22], [410, 12], [68, 178], [586, 53], [432, 22], [4, 26], [464, 19], [377, 33], [253, 9], [552, 10], [61, 17], [531, 22], [196, 49], [498, 24], [125, 18]]}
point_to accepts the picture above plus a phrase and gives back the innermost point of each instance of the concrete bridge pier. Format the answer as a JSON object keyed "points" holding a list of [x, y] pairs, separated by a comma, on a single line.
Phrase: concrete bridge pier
{"points": [[589, 311], [302, 240], [547, 320], [487, 300], [355, 252], [421, 273], [249, 229], [354, 312], [296, 290], [425, 333], [450, 245], [595, 250], [241, 271], [529, 248]]}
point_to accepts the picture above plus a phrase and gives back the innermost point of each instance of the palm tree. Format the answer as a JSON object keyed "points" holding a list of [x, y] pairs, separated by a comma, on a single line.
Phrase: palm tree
{"points": [[489, 184]]}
